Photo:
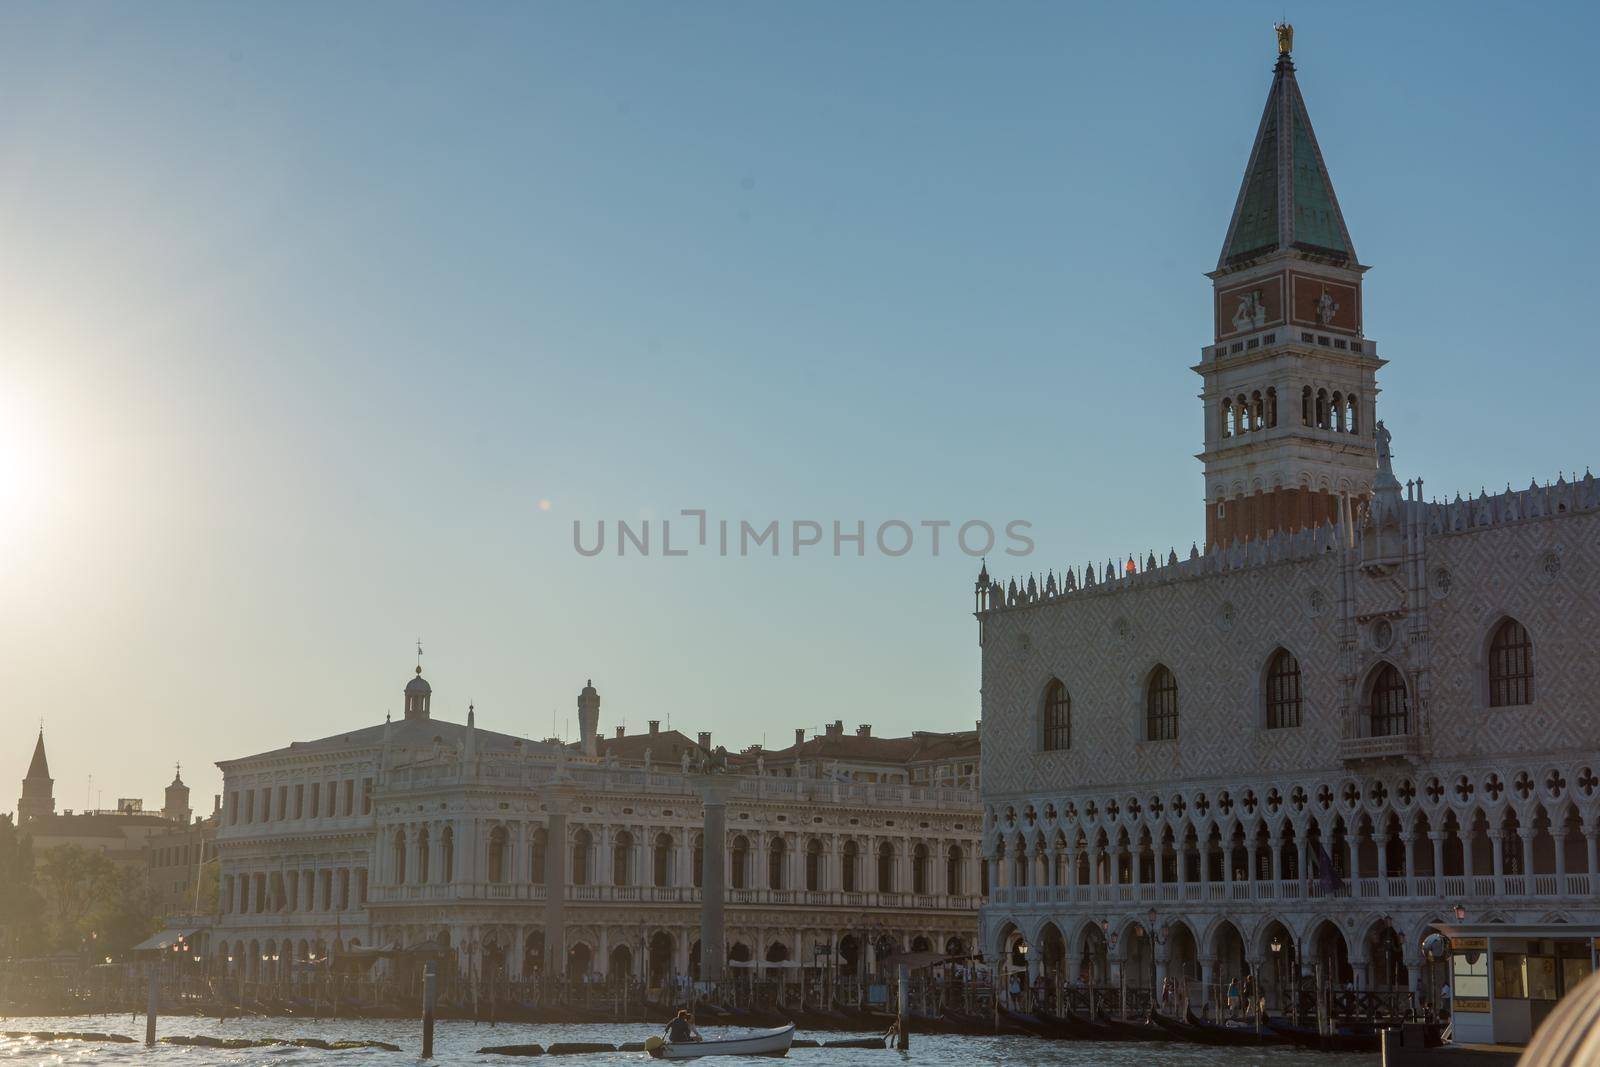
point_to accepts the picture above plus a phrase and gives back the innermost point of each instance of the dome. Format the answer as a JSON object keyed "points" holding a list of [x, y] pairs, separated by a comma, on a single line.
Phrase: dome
{"points": [[419, 684]]}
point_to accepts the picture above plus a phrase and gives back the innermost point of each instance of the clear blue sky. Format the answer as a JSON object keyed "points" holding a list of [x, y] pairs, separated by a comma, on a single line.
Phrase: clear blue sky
{"points": [[303, 308]]}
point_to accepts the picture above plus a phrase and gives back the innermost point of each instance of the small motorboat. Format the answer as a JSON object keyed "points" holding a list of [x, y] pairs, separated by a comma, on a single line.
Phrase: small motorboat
{"points": [[759, 1043]]}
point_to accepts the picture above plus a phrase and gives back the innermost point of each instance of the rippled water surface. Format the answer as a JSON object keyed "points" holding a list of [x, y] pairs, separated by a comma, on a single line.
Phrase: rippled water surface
{"points": [[456, 1042]]}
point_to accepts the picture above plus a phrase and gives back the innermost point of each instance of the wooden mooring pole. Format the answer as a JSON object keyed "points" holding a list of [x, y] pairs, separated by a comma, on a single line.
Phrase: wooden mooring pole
{"points": [[430, 972], [902, 1040], [152, 1006]]}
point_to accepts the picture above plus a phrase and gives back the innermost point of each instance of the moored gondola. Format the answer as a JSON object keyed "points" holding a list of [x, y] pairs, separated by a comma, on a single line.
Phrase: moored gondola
{"points": [[1343, 1040]]}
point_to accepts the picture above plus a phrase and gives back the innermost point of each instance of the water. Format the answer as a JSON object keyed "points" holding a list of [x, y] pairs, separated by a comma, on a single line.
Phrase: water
{"points": [[458, 1042]]}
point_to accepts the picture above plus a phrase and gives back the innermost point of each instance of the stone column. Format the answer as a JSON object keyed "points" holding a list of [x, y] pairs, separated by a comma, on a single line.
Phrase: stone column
{"points": [[1437, 837], [1527, 834], [714, 791], [1590, 842], [1497, 847], [1276, 845], [558, 795], [1407, 843]]}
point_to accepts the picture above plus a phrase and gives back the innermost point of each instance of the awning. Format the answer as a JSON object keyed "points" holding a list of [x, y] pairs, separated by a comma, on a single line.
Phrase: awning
{"points": [[164, 941]]}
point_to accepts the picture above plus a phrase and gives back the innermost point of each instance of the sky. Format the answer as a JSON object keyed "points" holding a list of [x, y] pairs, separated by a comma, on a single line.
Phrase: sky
{"points": [[320, 326]]}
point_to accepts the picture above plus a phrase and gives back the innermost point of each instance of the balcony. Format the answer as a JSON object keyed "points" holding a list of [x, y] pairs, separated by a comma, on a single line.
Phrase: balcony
{"points": [[1421, 887], [634, 894], [1407, 747]]}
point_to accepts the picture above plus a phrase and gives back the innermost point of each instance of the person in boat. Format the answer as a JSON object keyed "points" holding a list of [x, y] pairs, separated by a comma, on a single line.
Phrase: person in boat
{"points": [[681, 1029]]}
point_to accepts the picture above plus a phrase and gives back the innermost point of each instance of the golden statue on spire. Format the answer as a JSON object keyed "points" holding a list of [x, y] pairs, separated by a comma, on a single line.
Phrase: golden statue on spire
{"points": [[1285, 37]]}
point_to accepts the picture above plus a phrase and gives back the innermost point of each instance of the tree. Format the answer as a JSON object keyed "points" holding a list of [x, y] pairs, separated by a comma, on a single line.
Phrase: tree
{"points": [[87, 897], [20, 906]]}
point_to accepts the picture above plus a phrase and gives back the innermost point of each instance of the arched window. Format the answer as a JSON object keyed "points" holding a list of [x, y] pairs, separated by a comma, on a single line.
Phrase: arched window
{"points": [[399, 858], [661, 861], [497, 854], [847, 866], [1351, 407], [1241, 406], [1305, 406], [1161, 706], [1258, 411], [1057, 717], [622, 859], [777, 852], [741, 863], [1272, 406], [1391, 709], [814, 865], [1338, 412], [1322, 409], [536, 856], [1227, 417], [447, 855], [424, 840], [1283, 690], [953, 863], [1510, 665], [886, 868], [582, 844], [919, 869]]}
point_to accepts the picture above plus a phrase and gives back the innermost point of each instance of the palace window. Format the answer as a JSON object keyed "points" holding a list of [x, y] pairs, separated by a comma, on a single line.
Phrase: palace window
{"points": [[1161, 706], [1283, 691], [1057, 717], [776, 853], [814, 865], [661, 865], [847, 866], [952, 870], [741, 863], [919, 869], [886, 868], [1391, 708], [1510, 665]]}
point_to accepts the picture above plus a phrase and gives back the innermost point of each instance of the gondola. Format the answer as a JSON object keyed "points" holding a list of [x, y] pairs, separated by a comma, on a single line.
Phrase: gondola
{"points": [[760, 1043], [1126, 1030], [1203, 1033], [1338, 1041]]}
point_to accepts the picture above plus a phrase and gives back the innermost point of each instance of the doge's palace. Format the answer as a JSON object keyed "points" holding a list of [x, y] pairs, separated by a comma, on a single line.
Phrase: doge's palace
{"points": [[1357, 716]]}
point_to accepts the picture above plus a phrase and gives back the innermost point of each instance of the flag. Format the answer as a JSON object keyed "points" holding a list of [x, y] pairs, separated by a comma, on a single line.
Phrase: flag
{"points": [[1327, 877]]}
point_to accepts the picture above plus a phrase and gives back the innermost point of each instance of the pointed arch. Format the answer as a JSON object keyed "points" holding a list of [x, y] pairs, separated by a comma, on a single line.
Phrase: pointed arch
{"points": [[1055, 717], [1510, 663], [1161, 705], [1388, 702], [1282, 690]]}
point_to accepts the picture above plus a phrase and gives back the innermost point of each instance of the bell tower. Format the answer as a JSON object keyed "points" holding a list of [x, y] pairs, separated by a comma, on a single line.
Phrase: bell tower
{"points": [[38, 788], [1290, 377]]}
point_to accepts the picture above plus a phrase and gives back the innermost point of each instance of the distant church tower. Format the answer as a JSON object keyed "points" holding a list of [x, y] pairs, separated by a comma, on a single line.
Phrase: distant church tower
{"points": [[419, 694], [38, 788], [1291, 380], [176, 807]]}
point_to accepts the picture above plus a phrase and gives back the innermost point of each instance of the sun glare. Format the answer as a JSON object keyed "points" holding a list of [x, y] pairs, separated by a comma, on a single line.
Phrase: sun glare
{"points": [[21, 462]]}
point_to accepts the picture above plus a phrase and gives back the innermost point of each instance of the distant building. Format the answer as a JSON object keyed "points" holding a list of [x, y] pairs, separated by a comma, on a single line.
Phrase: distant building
{"points": [[120, 834], [425, 830]]}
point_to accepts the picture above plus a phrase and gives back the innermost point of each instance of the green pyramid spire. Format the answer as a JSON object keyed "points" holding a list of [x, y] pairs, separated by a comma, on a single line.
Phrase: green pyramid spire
{"points": [[1286, 200]]}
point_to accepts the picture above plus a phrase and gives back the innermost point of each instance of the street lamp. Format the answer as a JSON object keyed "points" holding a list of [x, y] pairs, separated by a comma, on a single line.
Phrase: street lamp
{"points": [[1461, 913]]}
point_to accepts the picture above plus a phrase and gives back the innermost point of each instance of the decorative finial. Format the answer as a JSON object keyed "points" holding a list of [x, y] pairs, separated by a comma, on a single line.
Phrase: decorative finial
{"points": [[1285, 37], [419, 655]]}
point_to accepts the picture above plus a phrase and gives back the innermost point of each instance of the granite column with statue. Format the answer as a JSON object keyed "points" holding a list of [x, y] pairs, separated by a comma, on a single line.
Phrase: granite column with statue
{"points": [[714, 790]]}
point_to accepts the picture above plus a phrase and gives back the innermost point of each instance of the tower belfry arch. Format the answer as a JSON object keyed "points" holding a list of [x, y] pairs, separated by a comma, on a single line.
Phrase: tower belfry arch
{"points": [[1290, 376]]}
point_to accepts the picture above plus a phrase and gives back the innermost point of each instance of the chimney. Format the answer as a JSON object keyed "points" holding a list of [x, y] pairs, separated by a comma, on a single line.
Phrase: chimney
{"points": [[864, 730], [835, 728], [799, 736], [655, 727], [622, 731], [705, 740], [216, 803]]}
